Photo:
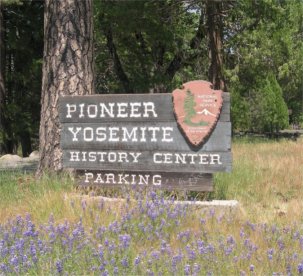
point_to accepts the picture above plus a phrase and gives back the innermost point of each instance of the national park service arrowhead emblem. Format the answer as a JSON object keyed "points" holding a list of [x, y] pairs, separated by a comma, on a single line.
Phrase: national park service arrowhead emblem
{"points": [[197, 109]]}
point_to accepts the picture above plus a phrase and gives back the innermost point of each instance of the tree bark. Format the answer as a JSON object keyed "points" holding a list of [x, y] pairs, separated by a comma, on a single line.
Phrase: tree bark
{"points": [[215, 37], [67, 69]]}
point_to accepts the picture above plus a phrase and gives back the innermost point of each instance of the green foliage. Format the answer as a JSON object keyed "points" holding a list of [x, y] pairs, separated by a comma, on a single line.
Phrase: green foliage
{"points": [[148, 36], [157, 47], [268, 110], [23, 75], [265, 38], [260, 38], [239, 111], [11, 2], [17, 187], [262, 110], [189, 106]]}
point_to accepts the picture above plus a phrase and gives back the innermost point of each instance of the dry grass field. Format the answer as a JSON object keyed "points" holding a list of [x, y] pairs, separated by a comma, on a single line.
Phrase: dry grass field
{"points": [[267, 180], [149, 236]]}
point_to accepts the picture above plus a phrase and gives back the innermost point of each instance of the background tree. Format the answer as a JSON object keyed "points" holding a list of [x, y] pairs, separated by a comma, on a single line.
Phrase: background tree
{"points": [[21, 53], [148, 46], [268, 110], [252, 49], [263, 39], [67, 69], [2, 80], [215, 28]]}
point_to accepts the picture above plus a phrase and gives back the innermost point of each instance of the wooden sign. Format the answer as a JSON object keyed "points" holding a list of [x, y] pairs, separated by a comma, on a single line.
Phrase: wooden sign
{"points": [[116, 140]]}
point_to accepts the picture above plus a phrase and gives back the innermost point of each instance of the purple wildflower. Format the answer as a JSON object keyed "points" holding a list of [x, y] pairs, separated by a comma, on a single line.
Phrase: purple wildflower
{"points": [[187, 270], [190, 252], [196, 268], [83, 204], [228, 250], [176, 259], [281, 244], [14, 261], [230, 240], [125, 240], [155, 254], [270, 253], [102, 266], [4, 268], [137, 260], [105, 273], [242, 233], [212, 212], [101, 253], [184, 236], [124, 262], [59, 266]]}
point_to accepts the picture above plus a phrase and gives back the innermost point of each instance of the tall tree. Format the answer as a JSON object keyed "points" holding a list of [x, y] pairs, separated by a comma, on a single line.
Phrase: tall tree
{"points": [[21, 63], [2, 81], [67, 69], [145, 46], [264, 39], [214, 11]]}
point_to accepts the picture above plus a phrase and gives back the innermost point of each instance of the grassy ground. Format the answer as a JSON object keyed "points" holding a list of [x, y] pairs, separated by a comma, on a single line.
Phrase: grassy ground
{"points": [[267, 180], [263, 237]]}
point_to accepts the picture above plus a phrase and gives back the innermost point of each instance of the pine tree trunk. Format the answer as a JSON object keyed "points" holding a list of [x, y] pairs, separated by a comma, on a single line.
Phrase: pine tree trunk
{"points": [[215, 37], [67, 69]]}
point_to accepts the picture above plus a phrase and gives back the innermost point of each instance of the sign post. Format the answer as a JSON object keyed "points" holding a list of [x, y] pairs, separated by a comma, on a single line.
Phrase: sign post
{"points": [[169, 141]]}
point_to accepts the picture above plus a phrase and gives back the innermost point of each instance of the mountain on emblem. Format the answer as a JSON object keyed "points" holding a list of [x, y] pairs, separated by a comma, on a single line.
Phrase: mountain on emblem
{"points": [[206, 112], [197, 109]]}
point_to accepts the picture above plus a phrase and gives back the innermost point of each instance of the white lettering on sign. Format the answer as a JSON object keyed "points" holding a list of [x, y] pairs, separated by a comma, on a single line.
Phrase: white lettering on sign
{"points": [[112, 110], [187, 158], [132, 136], [103, 156], [134, 110], [122, 134], [123, 179], [122, 112], [108, 109], [74, 132], [134, 157], [149, 108], [142, 140], [71, 108]]}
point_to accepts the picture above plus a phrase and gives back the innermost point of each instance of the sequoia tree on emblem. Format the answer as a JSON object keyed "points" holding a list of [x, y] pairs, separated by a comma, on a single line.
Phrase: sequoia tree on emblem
{"points": [[197, 109]]}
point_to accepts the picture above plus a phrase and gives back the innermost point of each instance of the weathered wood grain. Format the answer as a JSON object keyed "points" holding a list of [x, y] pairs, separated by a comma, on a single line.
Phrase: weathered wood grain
{"points": [[145, 161], [219, 140], [169, 181], [163, 107]]}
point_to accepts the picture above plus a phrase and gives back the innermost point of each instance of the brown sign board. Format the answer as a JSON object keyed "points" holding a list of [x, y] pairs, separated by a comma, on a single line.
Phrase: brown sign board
{"points": [[117, 140]]}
